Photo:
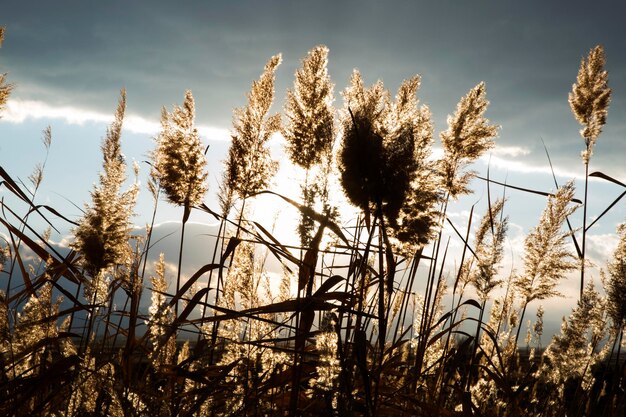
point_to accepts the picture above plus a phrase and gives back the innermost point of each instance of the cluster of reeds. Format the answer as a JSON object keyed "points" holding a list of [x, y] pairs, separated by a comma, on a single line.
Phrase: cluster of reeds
{"points": [[348, 333]]}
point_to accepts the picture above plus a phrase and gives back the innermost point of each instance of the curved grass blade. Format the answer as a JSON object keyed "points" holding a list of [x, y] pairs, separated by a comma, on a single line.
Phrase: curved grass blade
{"points": [[599, 174], [463, 239], [607, 210], [528, 190]]}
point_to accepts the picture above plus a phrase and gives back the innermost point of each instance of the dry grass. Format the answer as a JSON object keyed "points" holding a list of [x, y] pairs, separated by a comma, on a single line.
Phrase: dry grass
{"points": [[347, 334]]}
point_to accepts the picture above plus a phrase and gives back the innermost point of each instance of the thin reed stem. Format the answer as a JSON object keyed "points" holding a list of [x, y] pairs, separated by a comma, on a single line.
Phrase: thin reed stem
{"points": [[520, 322], [210, 280], [584, 239], [619, 351], [407, 292], [180, 255]]}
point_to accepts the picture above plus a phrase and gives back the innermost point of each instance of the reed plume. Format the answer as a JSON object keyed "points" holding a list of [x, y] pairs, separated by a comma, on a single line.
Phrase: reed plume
{"points": [[160, 318], [468, 136], [179, 164], [616, 290], [384, 146], [572, 353], [93, 390], [361, 155], [546, 256], [409, 169], [590, 98], [489, 242], [260, 354], [33, 325], [310, 127], [249, 166], [103, 232], [310, 131], [589, 101]]}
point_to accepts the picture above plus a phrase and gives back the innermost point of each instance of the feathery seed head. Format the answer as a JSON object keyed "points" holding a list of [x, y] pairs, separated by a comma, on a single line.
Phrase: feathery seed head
{"points": [[384, 158], [489, 244], [160, 313], [590, 98], [179, 164], [571, 353], [47, 136], [360, 158], [418, 216], [160, 318], [616, 286], [407, 146], [102, 235], [385, 145], [468, 136], [36, 177], [546, 257], [34, 324], [310, 131], [249, 166]]}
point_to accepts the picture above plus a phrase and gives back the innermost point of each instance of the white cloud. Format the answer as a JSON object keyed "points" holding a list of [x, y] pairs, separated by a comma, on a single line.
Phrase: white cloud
{"points": [[601, 247], [512, 151], [18, 111], [463, 214], [525, 168], [214, 133], [137, 124], [507, 158]]}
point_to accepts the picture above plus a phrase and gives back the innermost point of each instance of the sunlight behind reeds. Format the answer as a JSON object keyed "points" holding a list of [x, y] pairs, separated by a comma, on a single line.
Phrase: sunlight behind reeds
{"points": [[371, 316]]}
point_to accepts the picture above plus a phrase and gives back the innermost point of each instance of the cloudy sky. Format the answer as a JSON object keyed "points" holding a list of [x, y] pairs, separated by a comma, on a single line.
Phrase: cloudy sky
{"points": [[69, 59]]}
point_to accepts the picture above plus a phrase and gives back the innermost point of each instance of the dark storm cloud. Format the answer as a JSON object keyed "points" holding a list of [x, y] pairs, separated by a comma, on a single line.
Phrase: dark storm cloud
{"points": [[81, 53]]}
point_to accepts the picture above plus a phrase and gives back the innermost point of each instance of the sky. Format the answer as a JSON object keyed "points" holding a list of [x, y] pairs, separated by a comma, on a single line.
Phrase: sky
{"points": [[68, 61]]}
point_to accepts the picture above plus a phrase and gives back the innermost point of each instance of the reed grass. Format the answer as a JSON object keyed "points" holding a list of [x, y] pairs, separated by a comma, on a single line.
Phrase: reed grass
{"points": [[348, 333]]}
